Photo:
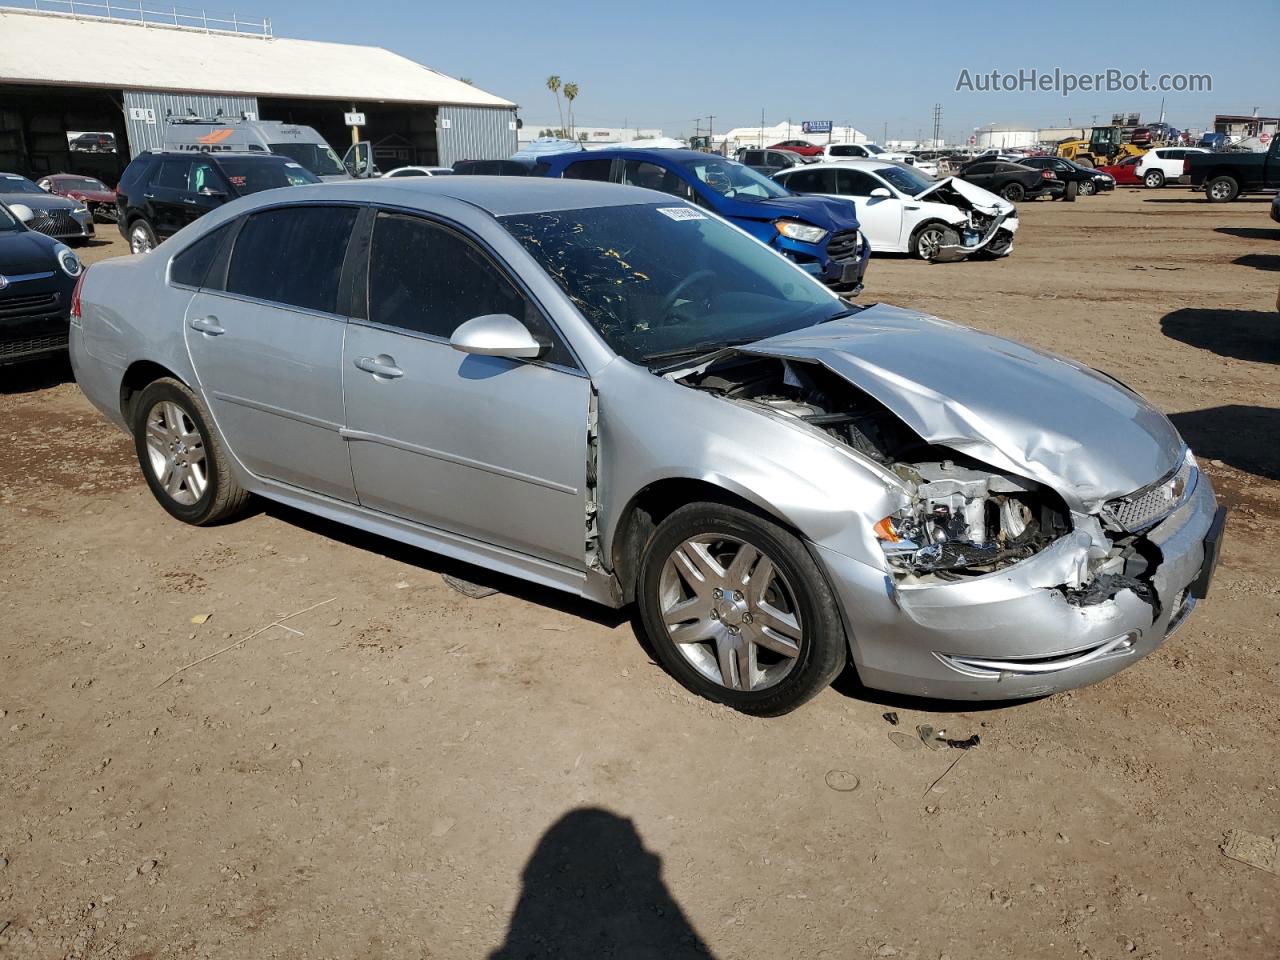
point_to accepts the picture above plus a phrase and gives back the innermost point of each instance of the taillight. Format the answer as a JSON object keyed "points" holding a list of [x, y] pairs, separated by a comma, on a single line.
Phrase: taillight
{"points": [[1186, 167], [75, 295], [1049, 175]]}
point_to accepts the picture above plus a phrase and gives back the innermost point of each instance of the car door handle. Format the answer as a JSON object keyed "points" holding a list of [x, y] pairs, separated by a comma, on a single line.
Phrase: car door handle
{"points": [[911, 206], [380, 366], [208, 325], [149, 196]]}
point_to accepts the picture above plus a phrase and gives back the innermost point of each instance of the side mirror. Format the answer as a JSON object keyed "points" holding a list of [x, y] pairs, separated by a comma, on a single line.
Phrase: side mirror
{"points": [[880, 193], [22, 212], [496, 335]]}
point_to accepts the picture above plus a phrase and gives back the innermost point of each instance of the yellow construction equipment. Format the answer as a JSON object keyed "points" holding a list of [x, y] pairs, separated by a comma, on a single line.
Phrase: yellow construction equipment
{"points": [[1105, 145]]}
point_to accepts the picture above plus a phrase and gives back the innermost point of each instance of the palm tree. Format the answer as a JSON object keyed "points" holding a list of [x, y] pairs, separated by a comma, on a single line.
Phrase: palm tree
{"points": [[553, 84], [571, 94]]}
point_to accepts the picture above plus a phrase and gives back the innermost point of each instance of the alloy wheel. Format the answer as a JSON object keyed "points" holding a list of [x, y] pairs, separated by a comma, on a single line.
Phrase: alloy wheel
{"points": [[1087, 188], [139, 240], [176, 452], [1220, 190], [731, 612], [930, 243]]}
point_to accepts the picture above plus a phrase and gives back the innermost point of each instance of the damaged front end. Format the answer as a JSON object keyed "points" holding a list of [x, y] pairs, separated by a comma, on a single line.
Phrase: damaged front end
{"points": [[989, 222], [988, 573]]}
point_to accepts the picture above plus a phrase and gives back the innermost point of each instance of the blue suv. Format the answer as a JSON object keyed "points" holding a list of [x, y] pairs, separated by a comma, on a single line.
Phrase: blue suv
{"points": [[819, 233]]}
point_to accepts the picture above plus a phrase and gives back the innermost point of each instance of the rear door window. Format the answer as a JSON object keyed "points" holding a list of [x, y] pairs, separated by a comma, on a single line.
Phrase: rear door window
{"points": [[588, 170], [642, 173], [292, 256], [809, 181], [173, 174]]}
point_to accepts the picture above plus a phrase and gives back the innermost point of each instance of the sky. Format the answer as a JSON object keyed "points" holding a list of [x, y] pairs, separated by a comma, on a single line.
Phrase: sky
{"points": [[875, 65]]}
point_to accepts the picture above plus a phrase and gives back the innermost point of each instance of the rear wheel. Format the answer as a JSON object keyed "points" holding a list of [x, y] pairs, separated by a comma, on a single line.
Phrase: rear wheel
{"points": [[142, 238], [1222, 189], [1069, 192], [1013, 192], [182, 460], [738, 611], [1153, 178], [1085, 160], [928, 241]]}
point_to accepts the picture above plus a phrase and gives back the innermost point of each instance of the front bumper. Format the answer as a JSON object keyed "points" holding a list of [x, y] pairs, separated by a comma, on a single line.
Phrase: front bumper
{"points": [[33, 316], [1013, 634], [63, 224]]}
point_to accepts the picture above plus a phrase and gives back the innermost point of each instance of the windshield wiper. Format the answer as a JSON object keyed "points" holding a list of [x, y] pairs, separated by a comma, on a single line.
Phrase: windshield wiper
{"points": [[697, 349], [842, 314]]}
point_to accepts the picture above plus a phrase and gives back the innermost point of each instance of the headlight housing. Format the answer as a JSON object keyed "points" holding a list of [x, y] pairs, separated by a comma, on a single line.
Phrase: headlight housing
{"points": [[799, 230], [82, 209], [68, 261]]}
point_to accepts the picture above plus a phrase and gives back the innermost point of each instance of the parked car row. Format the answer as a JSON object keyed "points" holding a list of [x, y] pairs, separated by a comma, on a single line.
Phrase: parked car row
{"points": [[632, 401]]}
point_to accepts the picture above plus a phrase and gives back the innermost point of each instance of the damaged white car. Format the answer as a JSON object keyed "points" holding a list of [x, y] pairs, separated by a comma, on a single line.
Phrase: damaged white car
{"points": [[901, 210], [608, 391]]}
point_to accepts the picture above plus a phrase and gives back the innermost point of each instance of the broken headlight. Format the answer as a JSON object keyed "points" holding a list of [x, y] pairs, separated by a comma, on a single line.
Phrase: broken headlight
{"points": [[966, 520]]}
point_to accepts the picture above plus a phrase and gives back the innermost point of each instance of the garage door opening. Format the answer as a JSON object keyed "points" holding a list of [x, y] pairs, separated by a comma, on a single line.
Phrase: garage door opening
{"points": [[46, 130], [401, 134]]}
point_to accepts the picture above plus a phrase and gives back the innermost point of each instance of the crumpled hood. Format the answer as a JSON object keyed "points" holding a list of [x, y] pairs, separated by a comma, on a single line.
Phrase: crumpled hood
{"points": [[983, 200], [1013, 407], [830, 213], [25, 251]]}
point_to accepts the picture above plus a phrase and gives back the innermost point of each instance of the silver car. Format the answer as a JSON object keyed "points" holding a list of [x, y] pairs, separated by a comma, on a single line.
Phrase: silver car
{"points": [[610, 392]]}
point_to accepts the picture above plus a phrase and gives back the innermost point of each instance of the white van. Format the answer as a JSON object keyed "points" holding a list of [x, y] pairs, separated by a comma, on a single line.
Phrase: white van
{"points": [[299, 143]]}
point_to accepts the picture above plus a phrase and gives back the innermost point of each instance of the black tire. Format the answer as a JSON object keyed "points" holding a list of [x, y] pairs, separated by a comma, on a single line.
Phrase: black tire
{"points": [[1153, 179], [923, 248], [1221, 189], [1085, 160], [823, 649], [1069, 192], [1013, 191], [141, 234], [222, 497]]}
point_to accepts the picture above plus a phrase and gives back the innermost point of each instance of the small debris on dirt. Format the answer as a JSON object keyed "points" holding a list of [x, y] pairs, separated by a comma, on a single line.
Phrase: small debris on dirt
{"points": [[891, 718], [147, 866], [967, 744], [1063, 838], [426, 682], [904, 741], [842, 781], [4, 862], [403, 585], [475, 591], [931, 738], [885, 950], [442, 826], [295, 763], [1253, 849], [201, 618]]}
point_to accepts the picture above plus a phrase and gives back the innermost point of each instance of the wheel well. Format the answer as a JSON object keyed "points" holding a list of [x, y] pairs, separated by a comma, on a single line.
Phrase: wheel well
{"points": [[650, 507], [136, 379], [929, 223]]}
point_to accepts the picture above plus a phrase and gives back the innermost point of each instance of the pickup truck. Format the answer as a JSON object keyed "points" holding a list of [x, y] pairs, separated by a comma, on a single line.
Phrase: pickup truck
{"points": [[1225, 176]]}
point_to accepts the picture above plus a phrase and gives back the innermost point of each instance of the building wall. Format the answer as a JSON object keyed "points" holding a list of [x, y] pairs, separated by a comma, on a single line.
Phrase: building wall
{"points": [[144, 135], [475, 133], [1005, 139]]}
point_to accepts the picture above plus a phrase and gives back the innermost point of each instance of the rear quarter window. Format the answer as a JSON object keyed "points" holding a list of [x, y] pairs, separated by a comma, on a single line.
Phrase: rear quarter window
{"points": [[191, 266]]}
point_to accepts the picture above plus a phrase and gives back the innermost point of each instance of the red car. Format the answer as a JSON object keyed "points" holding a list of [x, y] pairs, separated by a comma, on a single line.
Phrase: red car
{"points": [[1125, 172], [802, 147], [94, 194]]}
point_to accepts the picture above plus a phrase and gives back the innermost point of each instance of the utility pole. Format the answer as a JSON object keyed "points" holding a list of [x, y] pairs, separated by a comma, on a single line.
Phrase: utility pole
{"points": [[886, 134], [762, 128], [937, 125], [711, 124]]}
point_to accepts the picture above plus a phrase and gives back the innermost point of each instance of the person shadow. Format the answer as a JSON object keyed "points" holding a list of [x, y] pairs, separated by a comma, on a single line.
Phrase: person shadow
{"points": [[591, 891]]}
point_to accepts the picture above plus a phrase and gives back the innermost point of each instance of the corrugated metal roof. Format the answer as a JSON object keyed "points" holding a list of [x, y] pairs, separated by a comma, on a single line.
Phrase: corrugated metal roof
{"points": [[91, 52]]}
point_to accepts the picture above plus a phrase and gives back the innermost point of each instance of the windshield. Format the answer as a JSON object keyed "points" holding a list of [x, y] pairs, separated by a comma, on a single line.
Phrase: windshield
{"points": [[873, 148], [251, 174], [906, 180], [657, 278], [12, 183], [316, 157], [7, 220], [79, 183], [730, 179]]}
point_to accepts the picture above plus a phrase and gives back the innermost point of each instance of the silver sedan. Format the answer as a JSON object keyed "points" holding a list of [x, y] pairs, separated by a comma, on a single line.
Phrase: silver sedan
{"points": [[611, 392]]}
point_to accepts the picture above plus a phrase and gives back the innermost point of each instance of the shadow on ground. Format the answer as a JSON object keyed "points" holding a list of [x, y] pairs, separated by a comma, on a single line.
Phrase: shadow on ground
{"points": [[1263, 261], [430, 562], [1201, 199], [590, 890], [1242, 334], [1251, 233], [1242, 436], [32, 375]]}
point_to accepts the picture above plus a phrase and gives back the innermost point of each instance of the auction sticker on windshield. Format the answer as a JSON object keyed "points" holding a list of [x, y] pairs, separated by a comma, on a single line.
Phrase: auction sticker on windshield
{"points": [[682, 213]]}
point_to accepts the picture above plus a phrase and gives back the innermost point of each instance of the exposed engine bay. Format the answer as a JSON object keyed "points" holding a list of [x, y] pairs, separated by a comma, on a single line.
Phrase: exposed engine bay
{"points": [[960, 518]]}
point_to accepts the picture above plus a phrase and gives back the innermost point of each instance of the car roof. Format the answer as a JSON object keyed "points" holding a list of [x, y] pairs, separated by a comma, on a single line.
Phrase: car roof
{"points": [[634, 153], [852, 163], [498, 196]]}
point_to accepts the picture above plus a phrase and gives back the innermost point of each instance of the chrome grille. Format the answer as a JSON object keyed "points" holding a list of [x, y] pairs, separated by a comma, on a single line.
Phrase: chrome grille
{"points": [[843, 245], [55, 223], [1151, 504]]}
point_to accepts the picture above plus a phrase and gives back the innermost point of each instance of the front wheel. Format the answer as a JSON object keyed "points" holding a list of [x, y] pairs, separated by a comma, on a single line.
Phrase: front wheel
{"points": [[182, 460], [1222, 189], [1013, 192], [1087, 189], [928, 241], [142, 238], [1153, 178], [738, 611]]}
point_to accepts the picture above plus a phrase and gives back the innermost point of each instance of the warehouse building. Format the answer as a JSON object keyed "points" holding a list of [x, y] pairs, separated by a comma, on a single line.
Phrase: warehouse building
{"points": [[83, 94]]}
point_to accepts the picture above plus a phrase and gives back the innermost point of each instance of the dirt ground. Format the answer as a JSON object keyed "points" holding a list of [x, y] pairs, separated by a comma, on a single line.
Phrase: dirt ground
{"points": [[406, 772]]}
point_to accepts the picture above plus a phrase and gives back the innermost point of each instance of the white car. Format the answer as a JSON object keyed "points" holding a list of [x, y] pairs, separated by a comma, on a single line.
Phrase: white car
{"points": [[418, 172], [902, 211], [1161, 165], [862, 151]]}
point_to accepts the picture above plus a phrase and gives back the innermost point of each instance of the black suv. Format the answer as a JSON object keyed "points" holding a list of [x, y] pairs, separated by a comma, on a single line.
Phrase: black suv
{"points": [[160, 193]]}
